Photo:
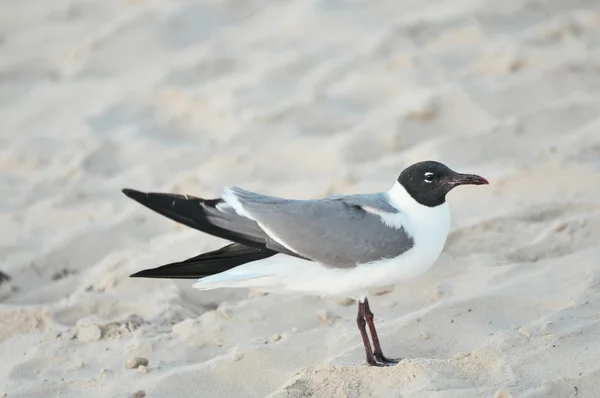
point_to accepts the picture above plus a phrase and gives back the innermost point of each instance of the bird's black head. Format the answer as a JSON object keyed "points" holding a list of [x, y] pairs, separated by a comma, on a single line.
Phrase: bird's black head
{"points": [[429, 182]]}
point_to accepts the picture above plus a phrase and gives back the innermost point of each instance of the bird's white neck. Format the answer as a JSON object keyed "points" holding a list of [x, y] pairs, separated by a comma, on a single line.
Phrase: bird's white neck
{"points": [[422, 218]]}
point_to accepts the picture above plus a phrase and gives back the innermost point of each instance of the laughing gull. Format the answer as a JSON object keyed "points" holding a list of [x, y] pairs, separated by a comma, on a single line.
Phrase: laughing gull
{"points": [[336, 246]]}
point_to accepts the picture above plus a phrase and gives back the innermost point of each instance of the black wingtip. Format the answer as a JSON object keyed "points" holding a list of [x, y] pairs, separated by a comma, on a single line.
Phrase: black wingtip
{"points": [[140, 274], [205, 264], [132, 193], [154, 273], [169, 273]]}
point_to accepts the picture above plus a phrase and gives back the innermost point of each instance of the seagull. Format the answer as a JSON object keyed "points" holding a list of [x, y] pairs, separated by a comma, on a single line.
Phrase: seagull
{"points": [[341, 245]]}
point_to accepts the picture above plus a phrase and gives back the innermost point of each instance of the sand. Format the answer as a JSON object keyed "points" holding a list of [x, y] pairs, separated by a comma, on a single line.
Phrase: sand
{"points": [[298, 99]]}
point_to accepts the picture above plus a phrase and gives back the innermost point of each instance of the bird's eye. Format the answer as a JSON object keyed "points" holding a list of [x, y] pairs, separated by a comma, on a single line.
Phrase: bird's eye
{"points": [[428, 177]]}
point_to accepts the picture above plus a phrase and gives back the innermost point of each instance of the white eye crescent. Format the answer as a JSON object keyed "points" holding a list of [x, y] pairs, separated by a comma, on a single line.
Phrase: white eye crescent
{"points": [[429, 177]]}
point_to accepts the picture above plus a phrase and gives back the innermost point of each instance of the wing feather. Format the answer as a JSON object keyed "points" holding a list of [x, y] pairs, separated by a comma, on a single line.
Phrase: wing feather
{"points": [[336, 231]]}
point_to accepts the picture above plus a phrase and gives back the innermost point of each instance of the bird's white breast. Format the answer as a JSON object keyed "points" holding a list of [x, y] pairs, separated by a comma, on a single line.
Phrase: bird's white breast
{"points": [[428, 226]]}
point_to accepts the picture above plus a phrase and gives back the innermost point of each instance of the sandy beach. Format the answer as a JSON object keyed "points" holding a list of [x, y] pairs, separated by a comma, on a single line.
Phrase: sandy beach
{"points": [[297, 99]]}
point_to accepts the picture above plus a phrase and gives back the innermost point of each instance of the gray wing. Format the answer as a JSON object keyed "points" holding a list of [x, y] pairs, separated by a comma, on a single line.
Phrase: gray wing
{"points": [[212, 216], [336, 231]]}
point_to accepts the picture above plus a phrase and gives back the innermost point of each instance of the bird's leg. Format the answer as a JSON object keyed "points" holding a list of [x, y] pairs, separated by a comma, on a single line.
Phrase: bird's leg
{"points": [[361, 322], [377, 353]]}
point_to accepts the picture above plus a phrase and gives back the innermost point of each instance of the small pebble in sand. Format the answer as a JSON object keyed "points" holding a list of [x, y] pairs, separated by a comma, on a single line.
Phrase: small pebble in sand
{"points": [[135, 362], [88, 333], [427, 110], [138, 394], [237, 356], [143, 369], [69, 334], [345, 301], [224, 313], [105, 373], [523, 332], [276, 337], [437, 293], [560, 227], [326, 317], [424, 336], [78, 364], [502, 394]]}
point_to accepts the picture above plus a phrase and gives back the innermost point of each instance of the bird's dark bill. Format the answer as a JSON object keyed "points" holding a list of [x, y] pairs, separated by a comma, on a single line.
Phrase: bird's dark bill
{"points": [[468, 179]]}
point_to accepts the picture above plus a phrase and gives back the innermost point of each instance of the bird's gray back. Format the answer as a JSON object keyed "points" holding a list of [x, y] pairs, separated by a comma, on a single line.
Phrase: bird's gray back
{"points": [[335, 231]]}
